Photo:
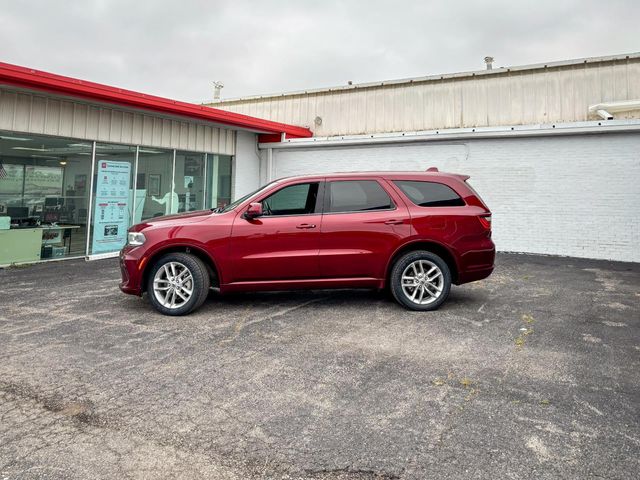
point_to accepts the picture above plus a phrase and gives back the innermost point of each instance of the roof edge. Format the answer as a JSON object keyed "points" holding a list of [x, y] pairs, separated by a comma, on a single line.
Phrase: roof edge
{"points": [[23, 77], [428, 78], [462, 134]]}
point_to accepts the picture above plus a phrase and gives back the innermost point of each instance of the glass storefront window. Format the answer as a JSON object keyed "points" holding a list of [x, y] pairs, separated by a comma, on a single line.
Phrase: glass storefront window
{"points": [[155, 194], [45, 185], [190, 181], [44, 197], [112, 197], [219, 186]]}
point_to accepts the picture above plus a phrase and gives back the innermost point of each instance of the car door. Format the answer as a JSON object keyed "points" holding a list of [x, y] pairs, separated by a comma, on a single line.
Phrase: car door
{"points": [[364, 220], [283, 243]]}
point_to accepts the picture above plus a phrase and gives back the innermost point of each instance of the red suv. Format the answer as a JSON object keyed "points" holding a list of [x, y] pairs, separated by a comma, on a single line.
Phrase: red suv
{"points": [[415, 232]]}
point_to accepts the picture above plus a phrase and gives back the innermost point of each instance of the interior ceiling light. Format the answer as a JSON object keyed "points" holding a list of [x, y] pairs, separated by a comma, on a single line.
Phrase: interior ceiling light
{"points": [[63, 162], [112, 147], [144, 150], [31, 149], [17, 139], [77, 144], [44, 156]]}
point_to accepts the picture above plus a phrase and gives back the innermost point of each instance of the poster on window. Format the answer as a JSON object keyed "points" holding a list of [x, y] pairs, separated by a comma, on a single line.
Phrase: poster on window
{"points": [[111, 214], [42, 181], [11, 178]]}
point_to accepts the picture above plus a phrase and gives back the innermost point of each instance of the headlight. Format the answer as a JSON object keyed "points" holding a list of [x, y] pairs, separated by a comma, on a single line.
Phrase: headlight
{"points": [[135, 239]]}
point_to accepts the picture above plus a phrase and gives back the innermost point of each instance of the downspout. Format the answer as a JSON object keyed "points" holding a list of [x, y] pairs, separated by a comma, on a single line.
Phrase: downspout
{"points": [[269, 164], [605, 110]]}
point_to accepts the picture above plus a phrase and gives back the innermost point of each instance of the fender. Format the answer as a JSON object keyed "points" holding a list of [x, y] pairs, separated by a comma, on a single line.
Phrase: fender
{"points": [[414, 241], [170, 245]]}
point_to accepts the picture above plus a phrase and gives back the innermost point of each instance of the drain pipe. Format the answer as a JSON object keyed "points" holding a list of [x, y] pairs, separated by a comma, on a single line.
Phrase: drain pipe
{"points": [[269, 164], [604, 110]]}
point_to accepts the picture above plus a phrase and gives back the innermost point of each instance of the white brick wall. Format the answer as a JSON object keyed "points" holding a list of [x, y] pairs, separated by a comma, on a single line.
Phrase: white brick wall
{"points": [[562, 195]]}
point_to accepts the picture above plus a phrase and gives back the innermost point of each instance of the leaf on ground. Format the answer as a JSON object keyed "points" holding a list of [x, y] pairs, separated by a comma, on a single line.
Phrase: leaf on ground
{"points": [[526, 318], [466, 382]]}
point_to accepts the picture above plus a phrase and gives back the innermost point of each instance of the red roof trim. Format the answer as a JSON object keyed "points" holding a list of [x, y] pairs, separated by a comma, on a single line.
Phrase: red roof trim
{"points": [[48, 82]]}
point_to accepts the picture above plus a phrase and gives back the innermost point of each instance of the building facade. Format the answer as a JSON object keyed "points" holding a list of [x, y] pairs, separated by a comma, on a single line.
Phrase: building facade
{"points": [[81, 162], [553, 148]]}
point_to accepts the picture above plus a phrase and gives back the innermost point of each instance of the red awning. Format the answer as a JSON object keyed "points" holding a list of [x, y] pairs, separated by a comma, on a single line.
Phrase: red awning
{"points": [[28, 78]]}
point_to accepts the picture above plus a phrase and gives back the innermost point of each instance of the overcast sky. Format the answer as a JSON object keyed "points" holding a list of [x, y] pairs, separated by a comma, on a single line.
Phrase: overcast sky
{"points": [[177, 48]]}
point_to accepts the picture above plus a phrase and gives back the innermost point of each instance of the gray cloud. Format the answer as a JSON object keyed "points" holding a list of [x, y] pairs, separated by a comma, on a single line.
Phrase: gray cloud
{"points": [[176, 48]]}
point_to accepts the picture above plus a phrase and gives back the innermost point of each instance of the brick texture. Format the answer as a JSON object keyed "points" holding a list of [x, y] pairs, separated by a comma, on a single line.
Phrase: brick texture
{"points": [[562, 195]]}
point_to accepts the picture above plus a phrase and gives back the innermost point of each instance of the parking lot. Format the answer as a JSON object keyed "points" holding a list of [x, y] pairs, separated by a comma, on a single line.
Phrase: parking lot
{"points": [[534, 372]]}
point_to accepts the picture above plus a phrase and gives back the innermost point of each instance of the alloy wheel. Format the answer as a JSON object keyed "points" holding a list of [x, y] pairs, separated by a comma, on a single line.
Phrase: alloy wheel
{"points": [[173, 285], [422, 282]]}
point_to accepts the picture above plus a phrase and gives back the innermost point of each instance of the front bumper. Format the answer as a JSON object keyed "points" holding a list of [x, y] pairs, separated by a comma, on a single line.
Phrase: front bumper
{"points": [[131, 271]]}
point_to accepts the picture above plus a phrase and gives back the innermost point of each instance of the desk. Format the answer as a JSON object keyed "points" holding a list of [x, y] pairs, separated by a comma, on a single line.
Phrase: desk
{"points": [[54, 234], [20, 245], [24, 245]]}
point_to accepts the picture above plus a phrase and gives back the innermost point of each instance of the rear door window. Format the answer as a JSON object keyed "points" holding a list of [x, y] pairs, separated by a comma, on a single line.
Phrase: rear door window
{"points": [[430, 194], [356, 196]]}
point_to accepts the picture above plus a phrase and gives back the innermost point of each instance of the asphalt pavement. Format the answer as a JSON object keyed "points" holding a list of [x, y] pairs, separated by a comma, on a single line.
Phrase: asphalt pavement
{"points": [[532, 373]]}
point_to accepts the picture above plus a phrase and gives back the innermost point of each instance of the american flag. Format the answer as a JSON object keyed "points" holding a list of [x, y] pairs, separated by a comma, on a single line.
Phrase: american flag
{"points": [[3, 172]]}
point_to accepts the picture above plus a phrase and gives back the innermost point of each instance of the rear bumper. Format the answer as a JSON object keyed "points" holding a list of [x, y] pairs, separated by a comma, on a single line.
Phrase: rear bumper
{"points": [[477, 264], [473, 275]]}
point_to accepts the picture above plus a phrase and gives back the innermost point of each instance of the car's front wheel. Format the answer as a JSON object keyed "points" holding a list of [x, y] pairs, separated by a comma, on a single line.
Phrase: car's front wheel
{"points": [[420, 280], [178, 284]]}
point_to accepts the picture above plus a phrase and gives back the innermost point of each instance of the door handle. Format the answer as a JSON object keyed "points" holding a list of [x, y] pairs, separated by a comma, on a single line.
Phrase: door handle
{"points": [[393, 222], [306, 225]]}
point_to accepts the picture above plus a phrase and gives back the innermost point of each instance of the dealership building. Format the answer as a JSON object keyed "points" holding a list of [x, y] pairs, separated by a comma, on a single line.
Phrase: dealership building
{"points": [[80, 162], [553, 149]]}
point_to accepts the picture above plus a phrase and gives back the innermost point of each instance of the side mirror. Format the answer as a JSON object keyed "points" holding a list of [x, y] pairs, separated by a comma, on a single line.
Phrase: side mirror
{"points": [[254, 210]]}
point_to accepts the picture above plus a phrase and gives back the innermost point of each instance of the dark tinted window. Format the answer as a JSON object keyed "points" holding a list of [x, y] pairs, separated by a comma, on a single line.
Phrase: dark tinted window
{"points": [[430, 194], [356, 196], [297, 199]]}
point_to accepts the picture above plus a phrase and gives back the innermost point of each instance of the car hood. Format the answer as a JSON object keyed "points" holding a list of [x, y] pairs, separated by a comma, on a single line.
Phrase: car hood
{"points": [[171, 220]]}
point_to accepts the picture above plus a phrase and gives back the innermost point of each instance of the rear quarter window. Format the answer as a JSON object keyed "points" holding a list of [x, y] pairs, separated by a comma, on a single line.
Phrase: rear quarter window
{"points": [[430, 194]]}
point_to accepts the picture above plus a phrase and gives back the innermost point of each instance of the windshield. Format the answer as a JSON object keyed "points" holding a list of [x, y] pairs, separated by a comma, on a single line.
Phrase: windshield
{"points": [[234, 204]]}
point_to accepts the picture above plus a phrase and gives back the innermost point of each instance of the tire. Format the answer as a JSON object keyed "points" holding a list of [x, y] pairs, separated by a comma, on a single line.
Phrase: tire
{"points": [[177, 274], [414, 267]]}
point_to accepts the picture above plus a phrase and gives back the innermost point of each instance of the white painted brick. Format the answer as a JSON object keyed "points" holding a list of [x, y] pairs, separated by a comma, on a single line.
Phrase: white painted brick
{"points": [[563, 195]]}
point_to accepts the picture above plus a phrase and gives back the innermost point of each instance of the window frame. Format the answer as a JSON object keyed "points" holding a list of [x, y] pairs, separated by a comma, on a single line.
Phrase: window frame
{"points": [[317, 210], [326, 200]]}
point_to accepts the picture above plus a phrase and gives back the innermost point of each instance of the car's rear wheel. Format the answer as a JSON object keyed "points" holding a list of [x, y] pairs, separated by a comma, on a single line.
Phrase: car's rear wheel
{"points": [[420, 280], [178, 284]]}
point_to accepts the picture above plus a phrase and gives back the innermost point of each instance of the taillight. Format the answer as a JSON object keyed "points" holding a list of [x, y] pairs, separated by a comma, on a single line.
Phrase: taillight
{"points": [[485, 221]]}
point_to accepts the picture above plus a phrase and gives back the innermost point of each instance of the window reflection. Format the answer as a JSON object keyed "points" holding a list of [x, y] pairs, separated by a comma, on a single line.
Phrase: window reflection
{"points": [[44, 196], [189, 181], [46, 182]]}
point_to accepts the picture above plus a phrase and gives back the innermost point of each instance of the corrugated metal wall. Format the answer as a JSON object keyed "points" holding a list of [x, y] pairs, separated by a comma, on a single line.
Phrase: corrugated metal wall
{"points": [[523, 96], [41, 114]]}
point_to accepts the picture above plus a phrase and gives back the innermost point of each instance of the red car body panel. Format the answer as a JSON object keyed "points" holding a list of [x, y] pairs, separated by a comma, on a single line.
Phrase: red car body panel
{"points": [[358, 244], [274, 248], [320, 250]]}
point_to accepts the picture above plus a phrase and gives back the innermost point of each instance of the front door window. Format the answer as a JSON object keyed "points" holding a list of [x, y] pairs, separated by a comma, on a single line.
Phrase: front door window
{"points": [[293, 200]]}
